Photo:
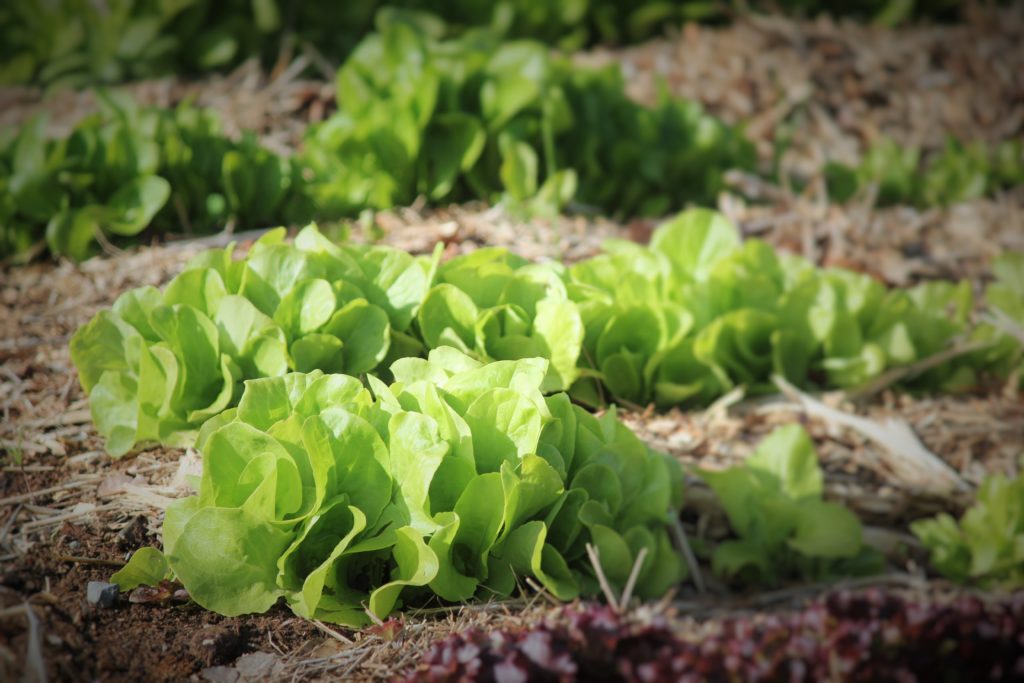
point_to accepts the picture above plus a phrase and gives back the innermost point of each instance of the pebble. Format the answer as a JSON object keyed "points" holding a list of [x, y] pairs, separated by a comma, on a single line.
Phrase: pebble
{"points": [[102, 594]]}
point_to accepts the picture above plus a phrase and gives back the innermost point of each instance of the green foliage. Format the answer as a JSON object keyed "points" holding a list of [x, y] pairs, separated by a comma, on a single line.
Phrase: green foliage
{"points": [[987, 546], [126, 169], [75, 43], [453, 481], [773, 502], [448, 120], [146, 567], [1006, 294], [477, 117], [158, 365], [678, 323], [958, 173], [498, 306], [699, 312]]}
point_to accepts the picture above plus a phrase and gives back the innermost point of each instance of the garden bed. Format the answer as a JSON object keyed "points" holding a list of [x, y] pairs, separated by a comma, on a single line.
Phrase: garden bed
{"points": [[70, 515]]}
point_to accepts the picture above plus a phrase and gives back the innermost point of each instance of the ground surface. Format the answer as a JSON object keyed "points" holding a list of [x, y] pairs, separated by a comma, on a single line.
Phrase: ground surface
{"points": [[68, 514]]}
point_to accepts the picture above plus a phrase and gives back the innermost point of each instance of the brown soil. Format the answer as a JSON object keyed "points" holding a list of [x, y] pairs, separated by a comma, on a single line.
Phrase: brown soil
{"points": [[128, 642]]}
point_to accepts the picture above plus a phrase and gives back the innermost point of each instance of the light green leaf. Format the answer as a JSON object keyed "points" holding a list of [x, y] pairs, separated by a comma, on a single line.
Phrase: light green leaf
{"points": [[146, 567]]}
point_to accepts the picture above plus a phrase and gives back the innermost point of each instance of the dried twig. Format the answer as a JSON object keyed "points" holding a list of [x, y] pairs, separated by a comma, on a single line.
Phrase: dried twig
{"points": [[909, 458], [679, 535], [78, 559], [331, 632], [595, 559], [891, 377], [22, 497], [627, 592]]}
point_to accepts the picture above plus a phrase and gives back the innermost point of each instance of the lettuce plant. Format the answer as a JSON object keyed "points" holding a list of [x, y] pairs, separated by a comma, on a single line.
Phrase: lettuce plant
{"points": [[680, 322], [478, 117], [1005, 296], [159, 364], [68, 43], [987, 545], [873, 634], [959, 173], [498, 306], [127, 169], [699, 312], [773, 503], [456, 480]]}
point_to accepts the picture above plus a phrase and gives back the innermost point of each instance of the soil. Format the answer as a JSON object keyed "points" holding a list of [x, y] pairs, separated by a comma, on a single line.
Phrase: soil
{"points": [[127, 642]]}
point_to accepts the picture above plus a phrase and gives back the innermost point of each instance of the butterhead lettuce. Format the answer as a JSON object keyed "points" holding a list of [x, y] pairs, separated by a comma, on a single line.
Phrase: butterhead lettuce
{"points": [[457, 480]]}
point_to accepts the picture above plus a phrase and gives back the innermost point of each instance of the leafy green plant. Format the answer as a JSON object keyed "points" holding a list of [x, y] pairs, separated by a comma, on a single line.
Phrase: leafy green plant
{"points": [[498, 306], [986, 547], [699, 312], [957, 174], [159, 364], [477, 117], [773, 503], [74, 43], [454, 481], [78, 43], [678, 323], [127, 169], [146, 567], [1006, 294], [100, 181]]}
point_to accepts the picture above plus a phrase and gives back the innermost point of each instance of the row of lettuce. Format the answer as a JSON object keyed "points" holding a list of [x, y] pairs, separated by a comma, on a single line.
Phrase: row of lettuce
{"points": [[462, 480], [680, 322], [449, 120], [464, 473], [73, 43], [421, 116]]}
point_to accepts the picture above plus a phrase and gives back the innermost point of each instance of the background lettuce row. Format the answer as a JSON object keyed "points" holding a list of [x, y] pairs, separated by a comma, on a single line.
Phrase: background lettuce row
{"points": [[700, 312], [74, 43], [448, 120], [456, 480], [773, 503], [159, 364], [478, 117], [959, 173], [126, 169]]}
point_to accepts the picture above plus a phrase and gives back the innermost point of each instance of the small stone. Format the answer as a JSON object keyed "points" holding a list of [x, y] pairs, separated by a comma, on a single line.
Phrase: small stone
{"points": [[220, 674], [257, 666], [102, 594]]}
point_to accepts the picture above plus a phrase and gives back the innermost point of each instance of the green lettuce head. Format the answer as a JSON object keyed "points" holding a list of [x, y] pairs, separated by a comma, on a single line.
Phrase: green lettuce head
{"points": [[456, 480], [157, 365]]}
